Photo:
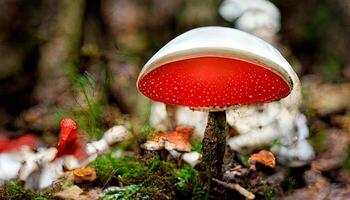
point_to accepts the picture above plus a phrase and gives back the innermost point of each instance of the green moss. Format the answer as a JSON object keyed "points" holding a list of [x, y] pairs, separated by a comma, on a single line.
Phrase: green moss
{"points": [[152, 178], [185, 177], [197, 146], [104, 167], [147, 130], [14, 190], [188, 180]]}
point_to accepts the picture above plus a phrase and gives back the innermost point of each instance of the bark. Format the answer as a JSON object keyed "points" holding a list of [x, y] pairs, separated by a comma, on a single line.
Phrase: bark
{"points": [[214, 143]]}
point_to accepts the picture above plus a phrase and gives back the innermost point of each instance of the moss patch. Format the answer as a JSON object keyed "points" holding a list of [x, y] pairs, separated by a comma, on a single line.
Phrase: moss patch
{"points": [[14, 190], [155, 179]]}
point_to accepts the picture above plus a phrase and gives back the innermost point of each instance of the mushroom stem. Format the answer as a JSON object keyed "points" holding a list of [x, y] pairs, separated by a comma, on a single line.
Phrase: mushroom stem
{"points": [[214, 142], [171, 110]]}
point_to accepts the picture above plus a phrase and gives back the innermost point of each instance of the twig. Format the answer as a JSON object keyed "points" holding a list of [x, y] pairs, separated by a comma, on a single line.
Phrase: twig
{"points": [[235, 186], [109, 178]]}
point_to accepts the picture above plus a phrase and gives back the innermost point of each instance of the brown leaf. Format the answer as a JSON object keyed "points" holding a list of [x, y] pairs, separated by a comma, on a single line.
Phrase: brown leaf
{"points": [[73, 192], [84, 174], [263, 157]]}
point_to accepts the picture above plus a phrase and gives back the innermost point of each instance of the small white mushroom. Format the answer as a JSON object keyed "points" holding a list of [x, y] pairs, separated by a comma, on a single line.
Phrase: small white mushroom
{"points": [[192, 158], [183, 116], [254, 138], [70, 162], [196, 119], [9, 167], [152, 145], [251, 15], [294, 150], [116, 134], [50, 172], [32, 161], [159, 117], [175, 154], [97, 147], [27, 169], [111, 136]]}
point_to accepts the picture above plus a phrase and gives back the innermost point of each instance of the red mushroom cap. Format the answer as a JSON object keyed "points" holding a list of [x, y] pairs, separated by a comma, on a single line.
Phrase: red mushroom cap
{"points": [[207, 82], [70, 142], [29, 140]]}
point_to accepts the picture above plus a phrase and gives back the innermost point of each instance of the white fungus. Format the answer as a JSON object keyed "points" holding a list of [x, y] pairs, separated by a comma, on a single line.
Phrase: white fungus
{"points": [[192, 158], [40, 169]]}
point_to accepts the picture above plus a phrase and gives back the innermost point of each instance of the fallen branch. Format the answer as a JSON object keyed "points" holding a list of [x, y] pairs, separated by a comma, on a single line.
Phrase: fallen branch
{"points": [[237, 187]]}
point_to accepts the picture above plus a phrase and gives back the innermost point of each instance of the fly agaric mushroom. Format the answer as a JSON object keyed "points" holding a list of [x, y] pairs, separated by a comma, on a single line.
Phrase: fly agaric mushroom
{"points": [[212, 69]]}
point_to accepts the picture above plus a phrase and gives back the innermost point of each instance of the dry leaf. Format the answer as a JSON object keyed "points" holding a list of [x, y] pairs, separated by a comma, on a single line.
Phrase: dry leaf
{"points": [[84, 174], [263, 157], [74, 192], [70, 193]]}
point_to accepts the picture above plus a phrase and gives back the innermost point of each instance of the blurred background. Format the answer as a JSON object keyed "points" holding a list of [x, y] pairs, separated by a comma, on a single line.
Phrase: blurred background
{"points": [[81, 59]]}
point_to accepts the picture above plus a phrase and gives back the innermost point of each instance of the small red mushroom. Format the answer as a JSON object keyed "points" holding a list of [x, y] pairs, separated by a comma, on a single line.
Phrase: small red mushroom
{"points": [[70, 142], [179, 139]]}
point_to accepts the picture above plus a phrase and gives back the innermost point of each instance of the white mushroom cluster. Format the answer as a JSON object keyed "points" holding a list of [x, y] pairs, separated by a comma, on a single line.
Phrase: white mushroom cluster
{"points": [[37, 169], [111, 136], [251, 15], [281, 120], [40, 169], [257, 125]]}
